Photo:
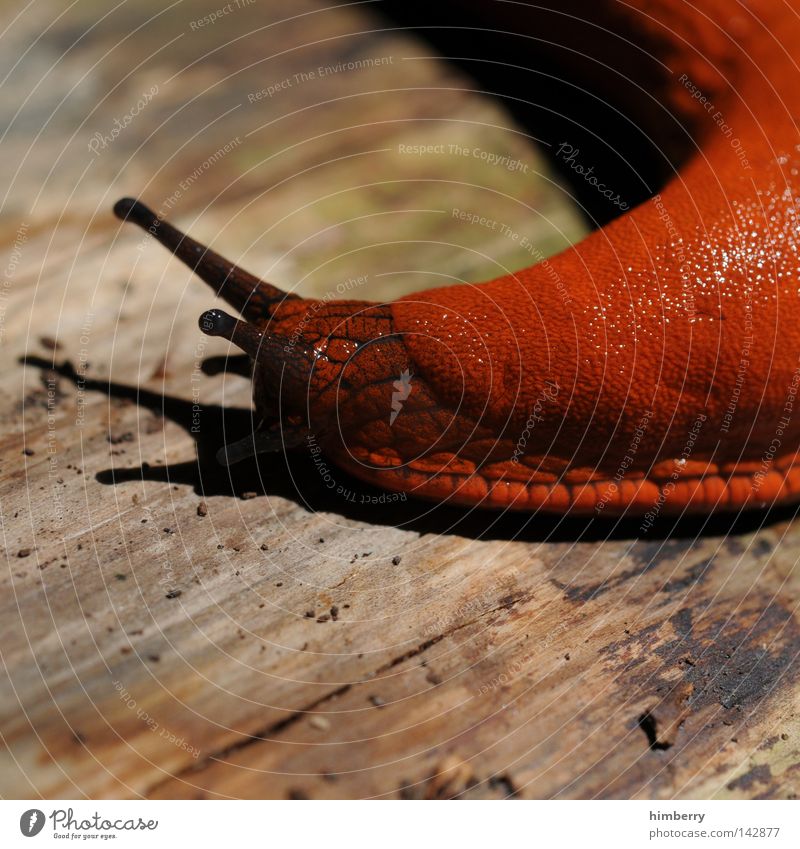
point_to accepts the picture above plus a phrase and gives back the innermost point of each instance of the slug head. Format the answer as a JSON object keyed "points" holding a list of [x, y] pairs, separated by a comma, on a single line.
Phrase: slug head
{"points": [[323, 373]]}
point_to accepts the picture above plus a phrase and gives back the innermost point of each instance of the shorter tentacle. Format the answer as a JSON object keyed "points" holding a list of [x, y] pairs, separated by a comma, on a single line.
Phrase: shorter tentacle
{"points": [[262, 441]]}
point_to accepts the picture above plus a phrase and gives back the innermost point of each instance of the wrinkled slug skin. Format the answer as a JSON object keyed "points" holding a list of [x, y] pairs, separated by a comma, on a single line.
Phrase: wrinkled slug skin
{"points": [[650, 369]]}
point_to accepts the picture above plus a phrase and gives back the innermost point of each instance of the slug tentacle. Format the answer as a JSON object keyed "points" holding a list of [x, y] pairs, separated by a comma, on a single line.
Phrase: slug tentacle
{"points": [[252, 297], [271, 352]]}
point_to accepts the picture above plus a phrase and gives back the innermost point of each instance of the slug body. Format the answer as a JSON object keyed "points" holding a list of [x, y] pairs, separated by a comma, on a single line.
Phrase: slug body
{"points": [[652, 368]]}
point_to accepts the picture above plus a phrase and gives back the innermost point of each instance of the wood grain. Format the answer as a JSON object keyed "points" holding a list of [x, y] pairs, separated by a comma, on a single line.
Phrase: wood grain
{"points": [[294, 641]]}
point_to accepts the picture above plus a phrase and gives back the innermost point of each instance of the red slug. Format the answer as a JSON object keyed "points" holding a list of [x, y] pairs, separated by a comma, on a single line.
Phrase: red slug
{"points": [[652, 368]]}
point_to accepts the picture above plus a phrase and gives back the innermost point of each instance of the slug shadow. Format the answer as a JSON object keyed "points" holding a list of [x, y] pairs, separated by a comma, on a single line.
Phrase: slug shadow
{"points": [[294, 476], [571, 81]]}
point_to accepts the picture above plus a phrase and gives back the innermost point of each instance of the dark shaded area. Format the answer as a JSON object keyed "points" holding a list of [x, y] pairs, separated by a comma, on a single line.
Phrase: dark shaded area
{"points": [[228, 363], [294, 476], [690, 577], [728, 665], [571, 74]]}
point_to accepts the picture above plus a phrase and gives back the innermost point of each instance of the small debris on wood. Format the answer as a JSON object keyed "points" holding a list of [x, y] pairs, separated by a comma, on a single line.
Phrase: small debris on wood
{"points": [[246, 496], [160, 371], [174, 593], [377, 701], [202, 509], [504, 784], [24, 552], [320, 723], [297, 795], [396, 560]]}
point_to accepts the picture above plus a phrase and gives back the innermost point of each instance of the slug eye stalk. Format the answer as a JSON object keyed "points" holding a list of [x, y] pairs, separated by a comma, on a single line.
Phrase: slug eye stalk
{"points": [[240, 333], [276, 364]]}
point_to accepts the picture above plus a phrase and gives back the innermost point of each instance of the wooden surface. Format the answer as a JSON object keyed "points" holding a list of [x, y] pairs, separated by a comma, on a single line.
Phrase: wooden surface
{"points": [[149, 650]]}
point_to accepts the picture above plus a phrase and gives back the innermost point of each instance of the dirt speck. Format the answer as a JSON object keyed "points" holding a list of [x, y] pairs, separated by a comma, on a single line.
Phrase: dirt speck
{"points": [[117, 438], [296, 794]]}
